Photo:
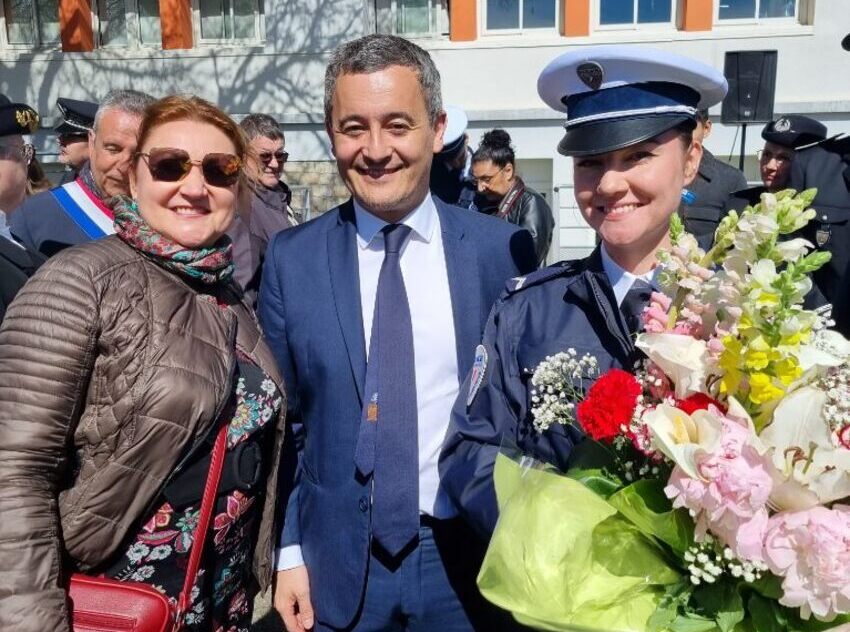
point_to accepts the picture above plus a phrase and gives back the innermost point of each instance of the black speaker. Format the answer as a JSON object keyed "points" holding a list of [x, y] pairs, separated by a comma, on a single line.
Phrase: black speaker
{"points": [[752, 83]]}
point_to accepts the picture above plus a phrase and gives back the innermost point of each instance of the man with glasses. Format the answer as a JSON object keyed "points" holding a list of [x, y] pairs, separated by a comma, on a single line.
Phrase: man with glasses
{"points": [[72, 133], [79, 211], [269, 210], [16, 262]]}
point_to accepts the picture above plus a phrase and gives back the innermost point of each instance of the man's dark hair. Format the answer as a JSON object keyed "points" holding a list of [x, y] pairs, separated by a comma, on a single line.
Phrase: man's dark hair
{"points": [[374, 53], [255, 125], [496, 147]]}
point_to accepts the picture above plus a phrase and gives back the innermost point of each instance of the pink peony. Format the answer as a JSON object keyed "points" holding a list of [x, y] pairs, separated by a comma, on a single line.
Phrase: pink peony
{"points": [[810, 550], [730, 500]]}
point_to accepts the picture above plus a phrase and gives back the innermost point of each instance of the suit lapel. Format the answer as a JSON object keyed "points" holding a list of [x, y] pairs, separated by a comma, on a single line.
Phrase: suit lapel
{"points": [[464, 285], [345, 285], [23, 259]]}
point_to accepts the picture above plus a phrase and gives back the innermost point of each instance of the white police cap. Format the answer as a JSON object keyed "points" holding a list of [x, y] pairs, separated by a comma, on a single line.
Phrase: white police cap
{"points": [[616, 96], [456, 124]]}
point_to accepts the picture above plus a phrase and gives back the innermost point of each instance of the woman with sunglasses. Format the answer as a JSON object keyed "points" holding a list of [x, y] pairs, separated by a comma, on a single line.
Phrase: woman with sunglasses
{"points": [[631, 112], [120, 362]]}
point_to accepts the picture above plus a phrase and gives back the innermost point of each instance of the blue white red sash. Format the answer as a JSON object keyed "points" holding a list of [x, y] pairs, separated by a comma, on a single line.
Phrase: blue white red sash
{"points": [[89, 213]]}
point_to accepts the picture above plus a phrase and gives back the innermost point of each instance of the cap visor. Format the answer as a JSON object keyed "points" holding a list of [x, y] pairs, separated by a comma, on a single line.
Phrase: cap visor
{"points": [[604, 136]]}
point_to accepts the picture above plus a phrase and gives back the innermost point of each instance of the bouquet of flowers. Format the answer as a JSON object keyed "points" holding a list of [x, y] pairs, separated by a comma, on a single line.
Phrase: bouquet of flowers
{"points": [[709, 493]]}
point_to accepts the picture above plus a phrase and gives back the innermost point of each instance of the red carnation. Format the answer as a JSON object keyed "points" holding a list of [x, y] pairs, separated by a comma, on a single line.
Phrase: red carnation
{"points": [[698, 401], [609, 405]]}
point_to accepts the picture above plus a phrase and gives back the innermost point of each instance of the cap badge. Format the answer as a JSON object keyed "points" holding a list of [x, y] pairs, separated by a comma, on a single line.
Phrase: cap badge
{"points": [[782, 125], [591, 74], [27, 119]]}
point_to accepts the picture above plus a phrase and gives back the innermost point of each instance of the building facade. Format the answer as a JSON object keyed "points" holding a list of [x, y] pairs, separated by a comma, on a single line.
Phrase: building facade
{"points": [[269, 56]]}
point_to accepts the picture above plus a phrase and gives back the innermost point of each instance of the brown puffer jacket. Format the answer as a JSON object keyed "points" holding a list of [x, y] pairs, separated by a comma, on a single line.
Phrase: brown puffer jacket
{"points": [[111, 368]]}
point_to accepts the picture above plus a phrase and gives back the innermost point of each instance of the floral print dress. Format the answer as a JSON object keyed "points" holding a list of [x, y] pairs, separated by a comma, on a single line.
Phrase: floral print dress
{"points": [[159, 554]]}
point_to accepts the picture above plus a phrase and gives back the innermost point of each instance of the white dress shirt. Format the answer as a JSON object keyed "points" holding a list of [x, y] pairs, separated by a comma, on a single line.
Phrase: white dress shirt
{"points": [[426, 281], [5, 231], [622, 280]]}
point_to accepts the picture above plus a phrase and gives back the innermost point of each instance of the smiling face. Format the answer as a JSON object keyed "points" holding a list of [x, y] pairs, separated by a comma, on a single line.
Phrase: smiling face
{"points": [[191, 211], [268, 160], [383, 141], [628, 195]]}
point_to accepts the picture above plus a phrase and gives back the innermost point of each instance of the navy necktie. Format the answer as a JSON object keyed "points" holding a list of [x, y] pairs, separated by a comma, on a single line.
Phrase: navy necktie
{"points": [[387, 445], [636, 299]]}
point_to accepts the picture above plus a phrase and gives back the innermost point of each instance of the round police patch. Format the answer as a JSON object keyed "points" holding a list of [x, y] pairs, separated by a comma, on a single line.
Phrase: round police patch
{"points": [[479, 368]]}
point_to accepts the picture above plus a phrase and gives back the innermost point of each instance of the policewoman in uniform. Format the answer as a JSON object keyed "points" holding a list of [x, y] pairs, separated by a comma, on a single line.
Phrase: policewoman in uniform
{"points": [[630, 115]]}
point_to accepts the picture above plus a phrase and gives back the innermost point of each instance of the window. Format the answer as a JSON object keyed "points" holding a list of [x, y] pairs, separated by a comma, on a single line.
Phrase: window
{"points": [[756, 9], [30, 23], [128, 23], [412, 17], [228, 21], [521, 14], [634, 12]]}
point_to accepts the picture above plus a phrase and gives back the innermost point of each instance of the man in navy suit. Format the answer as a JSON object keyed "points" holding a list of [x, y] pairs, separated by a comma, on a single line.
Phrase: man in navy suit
{"points": [[373, 311]]}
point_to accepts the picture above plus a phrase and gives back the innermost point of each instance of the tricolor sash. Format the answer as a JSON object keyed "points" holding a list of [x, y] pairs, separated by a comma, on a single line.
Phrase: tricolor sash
{"points": [[88, 212]]}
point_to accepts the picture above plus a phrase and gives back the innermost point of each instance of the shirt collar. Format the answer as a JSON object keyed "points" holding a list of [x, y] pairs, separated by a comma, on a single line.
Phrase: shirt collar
{"points": [[621, 280], [422, 221], [5, 231]]}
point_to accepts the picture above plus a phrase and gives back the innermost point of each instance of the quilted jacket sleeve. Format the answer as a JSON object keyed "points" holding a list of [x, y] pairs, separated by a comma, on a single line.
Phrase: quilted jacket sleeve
{"points": [[47, 343]]}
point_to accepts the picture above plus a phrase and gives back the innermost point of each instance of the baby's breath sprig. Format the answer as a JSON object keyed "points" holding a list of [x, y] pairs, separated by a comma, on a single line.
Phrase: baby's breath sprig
{"points": [[558, 385], [709, 560]]}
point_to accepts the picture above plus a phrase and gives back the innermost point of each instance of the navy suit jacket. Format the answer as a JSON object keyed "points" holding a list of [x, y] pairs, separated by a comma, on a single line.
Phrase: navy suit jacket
{"points": [[311, 314]]}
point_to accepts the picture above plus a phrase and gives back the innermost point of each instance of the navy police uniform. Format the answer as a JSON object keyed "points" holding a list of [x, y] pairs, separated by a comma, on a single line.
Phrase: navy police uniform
{"points": [[17, 263], [451, 184], [77, 120], [826, 167], [614, 97], [792, 131], [568, 305]]}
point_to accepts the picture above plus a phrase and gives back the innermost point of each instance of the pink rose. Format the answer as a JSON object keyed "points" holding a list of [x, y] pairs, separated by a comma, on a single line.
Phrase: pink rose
{"points": [[730, 500], [810, 550]]}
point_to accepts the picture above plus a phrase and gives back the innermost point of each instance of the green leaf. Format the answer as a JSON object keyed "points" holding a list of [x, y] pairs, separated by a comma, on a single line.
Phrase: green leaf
{"points": [[721, 602], [592, 465], [765, 614], [692, 623], [769, 586], [624, 551], [645, 504]]}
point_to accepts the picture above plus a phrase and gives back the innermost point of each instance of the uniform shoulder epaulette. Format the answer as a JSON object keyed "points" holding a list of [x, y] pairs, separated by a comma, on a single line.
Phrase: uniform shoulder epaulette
{"points": [[838, 144], [562, 268]]}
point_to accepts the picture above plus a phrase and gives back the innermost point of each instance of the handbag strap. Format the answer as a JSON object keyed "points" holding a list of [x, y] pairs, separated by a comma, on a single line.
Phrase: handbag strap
{"points": [[201, 529]]}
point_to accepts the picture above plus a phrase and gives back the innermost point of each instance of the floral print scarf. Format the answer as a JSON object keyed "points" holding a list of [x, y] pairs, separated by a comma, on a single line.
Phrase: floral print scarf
{"points": [[210, 265]]}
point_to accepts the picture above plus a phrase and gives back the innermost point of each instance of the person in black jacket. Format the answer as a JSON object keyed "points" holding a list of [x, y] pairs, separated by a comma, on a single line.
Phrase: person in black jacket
{"points": [[502, 193], [713, 187], [16, 156]]}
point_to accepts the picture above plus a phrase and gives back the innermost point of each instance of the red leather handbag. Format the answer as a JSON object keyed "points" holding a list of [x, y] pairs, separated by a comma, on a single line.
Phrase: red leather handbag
{"points": [[100, 604]]}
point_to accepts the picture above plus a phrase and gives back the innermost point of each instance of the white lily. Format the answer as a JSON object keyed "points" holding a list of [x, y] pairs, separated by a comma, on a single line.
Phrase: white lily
{"points": [[682, 437], [682, 358], [811, 469]]}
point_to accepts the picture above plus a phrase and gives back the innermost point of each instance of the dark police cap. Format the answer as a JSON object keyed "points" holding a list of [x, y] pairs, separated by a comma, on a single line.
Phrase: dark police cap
{"points": [[793, 131], [77, 116], [16, 118], [616, 96]]}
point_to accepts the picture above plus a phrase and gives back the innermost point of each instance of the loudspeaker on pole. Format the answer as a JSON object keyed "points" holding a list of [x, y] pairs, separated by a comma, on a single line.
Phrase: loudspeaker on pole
{"points": [[752, 85]]}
